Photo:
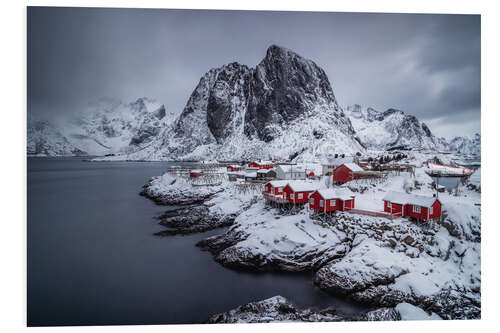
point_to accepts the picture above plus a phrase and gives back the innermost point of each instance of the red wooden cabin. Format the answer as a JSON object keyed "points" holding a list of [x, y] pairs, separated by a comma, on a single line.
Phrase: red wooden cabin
{"points": [[297, 192], [417, 206], [328, 200], [253, 165], [233, 168], [345, 173], [260, 165], [275, 187], [195, 173]]}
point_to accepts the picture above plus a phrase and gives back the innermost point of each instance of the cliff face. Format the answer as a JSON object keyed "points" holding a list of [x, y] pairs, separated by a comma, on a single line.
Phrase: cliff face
{"points": [[286, 87]]}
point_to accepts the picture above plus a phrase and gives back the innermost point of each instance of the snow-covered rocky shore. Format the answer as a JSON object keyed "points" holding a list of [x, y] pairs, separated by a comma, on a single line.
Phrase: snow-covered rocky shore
{"points": [[280, 309], [195, 208], [377, 261]]}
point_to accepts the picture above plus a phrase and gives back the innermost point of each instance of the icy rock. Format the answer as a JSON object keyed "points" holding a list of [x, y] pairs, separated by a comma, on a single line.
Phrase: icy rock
{"points": [[410, 312], [172, 191], [366, 265], [280, 309]]}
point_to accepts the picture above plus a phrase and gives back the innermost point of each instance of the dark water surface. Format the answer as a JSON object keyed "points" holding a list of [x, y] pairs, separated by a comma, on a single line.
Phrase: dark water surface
{"points": [[93, 259], [449, 183]]}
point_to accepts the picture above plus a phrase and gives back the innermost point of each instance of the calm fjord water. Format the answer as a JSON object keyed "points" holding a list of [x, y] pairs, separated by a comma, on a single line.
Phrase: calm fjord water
{"points": [[93, 259]]}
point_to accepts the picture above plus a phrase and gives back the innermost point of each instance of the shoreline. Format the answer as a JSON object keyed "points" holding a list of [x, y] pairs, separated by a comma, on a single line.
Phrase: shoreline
{"points": [[243, 226]]}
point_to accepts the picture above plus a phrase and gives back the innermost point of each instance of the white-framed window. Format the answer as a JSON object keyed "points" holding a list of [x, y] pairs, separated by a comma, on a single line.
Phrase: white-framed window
{"points": [[312, 201], [321, 203], [300, 196], [416, 209], [292, 196], [431, 210], [333, 203], [389, 205]]}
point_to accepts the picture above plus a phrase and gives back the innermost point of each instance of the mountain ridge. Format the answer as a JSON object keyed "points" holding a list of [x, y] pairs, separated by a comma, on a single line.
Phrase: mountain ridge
{"points": [[283, 107]]}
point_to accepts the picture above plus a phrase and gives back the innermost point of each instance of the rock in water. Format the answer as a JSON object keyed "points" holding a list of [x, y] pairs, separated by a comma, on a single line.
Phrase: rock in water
{"points": [[278, 309]]}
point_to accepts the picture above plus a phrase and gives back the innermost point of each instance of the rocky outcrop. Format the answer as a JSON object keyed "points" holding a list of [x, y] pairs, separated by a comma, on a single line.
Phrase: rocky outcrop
{"points": [[191, 219], [171, 191], [369, 260], [189, 210], [278, 309], [276, 243]]}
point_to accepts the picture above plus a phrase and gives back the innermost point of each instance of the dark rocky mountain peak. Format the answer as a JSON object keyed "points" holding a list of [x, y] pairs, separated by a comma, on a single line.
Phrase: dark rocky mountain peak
{"points": [[285, 87]]}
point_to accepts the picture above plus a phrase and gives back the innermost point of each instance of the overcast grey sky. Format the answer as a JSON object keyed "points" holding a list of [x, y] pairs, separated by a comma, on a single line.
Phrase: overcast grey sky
{"points": [[426, 65]]}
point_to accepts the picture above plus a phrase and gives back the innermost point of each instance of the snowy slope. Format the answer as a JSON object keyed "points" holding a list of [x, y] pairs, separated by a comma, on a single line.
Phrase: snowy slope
{"points": [[284, 107], [106, 127], [467, 146], [45, 140], [111, 126], [391, 129]]}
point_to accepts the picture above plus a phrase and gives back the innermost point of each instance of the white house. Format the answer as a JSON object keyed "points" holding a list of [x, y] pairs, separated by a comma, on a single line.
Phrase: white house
{"points": [[290, 171]]}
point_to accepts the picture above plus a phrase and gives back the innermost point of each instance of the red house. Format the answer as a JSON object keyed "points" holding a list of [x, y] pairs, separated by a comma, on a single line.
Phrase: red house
{"points": [[297, 192], [260, 165], [266, 165], [345, 173], [233, 168], [195, 173], [273, 191], [275, 187], [328, 200], [417, 206]]}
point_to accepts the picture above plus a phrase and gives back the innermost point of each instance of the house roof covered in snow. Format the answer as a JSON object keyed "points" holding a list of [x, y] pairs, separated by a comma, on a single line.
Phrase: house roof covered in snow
{"points": [[336, 161], [411, 199], [333, 194], [278, 183], [291, 168], [302, 186], [235, 166], [353, 167]]}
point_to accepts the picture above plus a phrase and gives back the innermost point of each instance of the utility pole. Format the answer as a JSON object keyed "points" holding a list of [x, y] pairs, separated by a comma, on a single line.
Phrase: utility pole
{"points": [[437, 187]]}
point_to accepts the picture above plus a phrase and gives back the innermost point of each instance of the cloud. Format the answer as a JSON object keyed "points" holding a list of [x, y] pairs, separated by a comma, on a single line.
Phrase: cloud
{"points": [[427, 65]]}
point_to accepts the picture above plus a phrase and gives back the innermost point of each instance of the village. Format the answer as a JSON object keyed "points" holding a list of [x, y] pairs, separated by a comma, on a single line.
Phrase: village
{"points": [[382, 231], [325, 188]]}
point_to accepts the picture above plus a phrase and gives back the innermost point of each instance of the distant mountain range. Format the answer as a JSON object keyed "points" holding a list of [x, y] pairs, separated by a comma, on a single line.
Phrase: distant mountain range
{"points": [[392, 129], [284, 107], [107, 127]]}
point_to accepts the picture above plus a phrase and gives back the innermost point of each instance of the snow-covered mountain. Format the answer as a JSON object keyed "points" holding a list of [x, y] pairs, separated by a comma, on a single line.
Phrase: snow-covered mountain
{"points": [[284, 107], [467, 146], [45, 140], [112, 126], [107, 126], [392, 129]]}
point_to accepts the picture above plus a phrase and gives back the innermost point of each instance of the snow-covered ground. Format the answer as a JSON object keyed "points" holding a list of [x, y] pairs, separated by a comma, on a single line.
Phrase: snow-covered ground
{"points": [[434, 266]]}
